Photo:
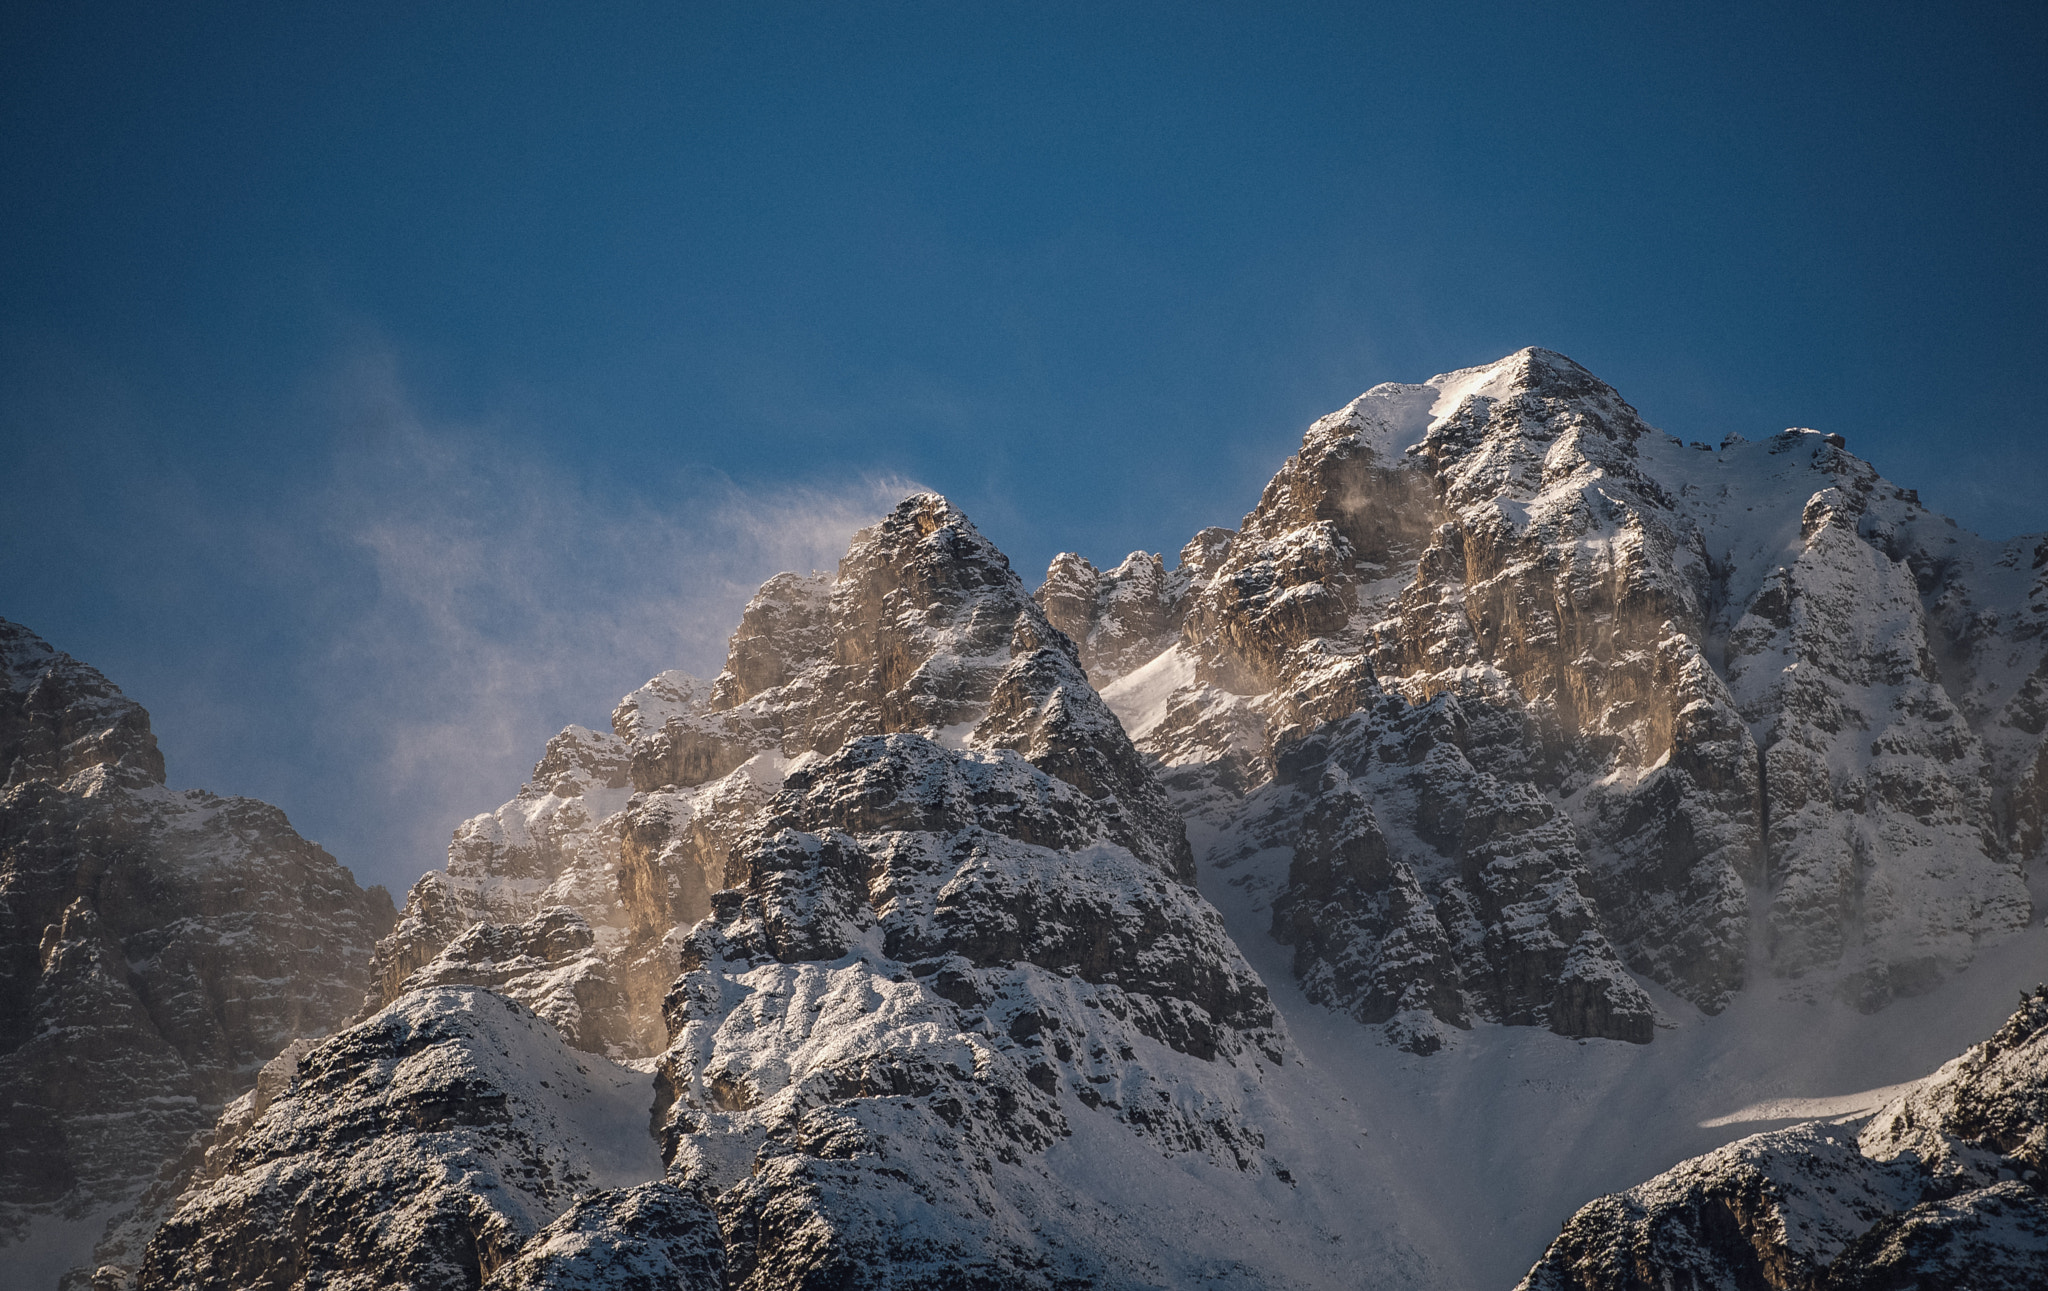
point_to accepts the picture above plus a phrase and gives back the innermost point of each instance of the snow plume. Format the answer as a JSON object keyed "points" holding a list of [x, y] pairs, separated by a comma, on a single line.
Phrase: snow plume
{"points": [[493, 597]]}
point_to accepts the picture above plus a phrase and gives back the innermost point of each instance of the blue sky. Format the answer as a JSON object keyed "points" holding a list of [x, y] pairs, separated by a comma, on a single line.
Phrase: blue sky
{"points": [[382, 388]]}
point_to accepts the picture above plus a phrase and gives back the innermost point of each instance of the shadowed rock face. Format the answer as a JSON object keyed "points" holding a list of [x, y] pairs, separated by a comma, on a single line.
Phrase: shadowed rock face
{"points": [[1946, 1187], [453, 1140], [1757, 676], [1480, 909], [156, 948]]}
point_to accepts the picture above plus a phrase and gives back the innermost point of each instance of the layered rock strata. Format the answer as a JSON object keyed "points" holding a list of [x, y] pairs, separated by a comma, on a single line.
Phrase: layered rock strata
{"points": [[1945, 1187], [1752, 678], [156, 947]]}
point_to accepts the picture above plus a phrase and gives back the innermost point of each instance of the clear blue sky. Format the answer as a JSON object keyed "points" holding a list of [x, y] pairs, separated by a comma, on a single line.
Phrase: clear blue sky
{"points": [[382, 387]]}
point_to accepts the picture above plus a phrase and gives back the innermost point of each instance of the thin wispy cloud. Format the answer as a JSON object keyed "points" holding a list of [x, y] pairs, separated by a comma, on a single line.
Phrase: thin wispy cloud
{"points": [[375, 615], [488, 596]]}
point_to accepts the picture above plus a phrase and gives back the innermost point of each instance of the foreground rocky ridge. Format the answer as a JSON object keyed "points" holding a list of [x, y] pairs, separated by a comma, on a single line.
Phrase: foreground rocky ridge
{"points": [[1682, 682], [1945, 1187], [156, 947], [452, 1140]]}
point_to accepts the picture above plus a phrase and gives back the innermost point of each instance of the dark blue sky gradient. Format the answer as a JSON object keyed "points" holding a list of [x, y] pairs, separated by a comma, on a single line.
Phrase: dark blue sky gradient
{"points": [[1087, 269]]}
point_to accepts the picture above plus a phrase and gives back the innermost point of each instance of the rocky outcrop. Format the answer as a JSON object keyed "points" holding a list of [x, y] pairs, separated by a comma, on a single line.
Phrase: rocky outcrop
{"points": [[1426, 890], [929, 963], [1946, 1187], [1118, 618], [454, 1139], [1755, 676], [156, 947], [551, 962]]}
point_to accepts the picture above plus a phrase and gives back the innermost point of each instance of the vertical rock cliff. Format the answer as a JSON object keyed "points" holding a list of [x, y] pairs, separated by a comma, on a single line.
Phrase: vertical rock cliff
{"points": [[156, 949]]}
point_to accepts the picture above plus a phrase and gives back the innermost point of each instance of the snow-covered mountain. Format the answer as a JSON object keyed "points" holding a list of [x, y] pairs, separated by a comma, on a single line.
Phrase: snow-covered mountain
{"points": [[1498, 684], [1518, 802]]}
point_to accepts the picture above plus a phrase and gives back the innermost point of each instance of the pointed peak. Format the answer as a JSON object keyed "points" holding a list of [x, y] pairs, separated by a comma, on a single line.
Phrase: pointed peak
{"points": [[927, 524], [1393, 417], [1530, 368], [929, 512]]}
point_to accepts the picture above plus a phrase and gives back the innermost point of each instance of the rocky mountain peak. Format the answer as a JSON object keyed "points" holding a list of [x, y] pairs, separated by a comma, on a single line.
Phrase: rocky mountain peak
{"points": [[59, 717], [1683, 649], [879, 959], [902, 803], [924, 631]]}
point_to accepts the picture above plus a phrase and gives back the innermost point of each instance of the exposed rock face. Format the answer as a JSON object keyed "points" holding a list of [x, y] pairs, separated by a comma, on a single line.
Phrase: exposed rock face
{"points": [[551, 961], [453, 1139], [156, 947], [1425, 888], [1118, 619], [924, 629], [1945, 1187], [655, 1237], [549, 857], [1753, 671]]}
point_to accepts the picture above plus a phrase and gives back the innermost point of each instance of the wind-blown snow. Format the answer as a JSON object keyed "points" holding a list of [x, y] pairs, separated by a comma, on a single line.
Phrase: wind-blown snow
{"points": [[1140, 700]]}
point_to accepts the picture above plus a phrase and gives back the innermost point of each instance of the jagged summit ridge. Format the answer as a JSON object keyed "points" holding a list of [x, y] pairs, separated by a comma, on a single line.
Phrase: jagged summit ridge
{"points": [[878, 959], [924, 629], [1752, 672], [1394, 419]]}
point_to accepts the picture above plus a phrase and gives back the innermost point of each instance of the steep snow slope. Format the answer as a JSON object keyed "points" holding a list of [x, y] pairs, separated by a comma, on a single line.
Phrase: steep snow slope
{"points": [[1475, 1154]]}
